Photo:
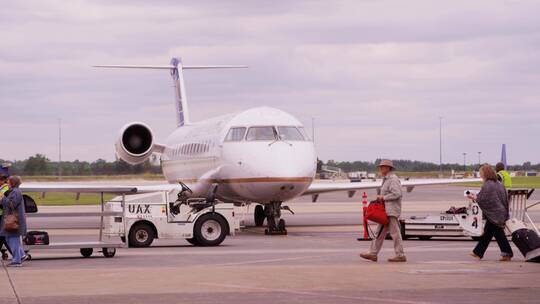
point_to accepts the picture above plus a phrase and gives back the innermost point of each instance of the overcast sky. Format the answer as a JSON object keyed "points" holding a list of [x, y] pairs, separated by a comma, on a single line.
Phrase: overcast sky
{"points": [[375, 75]]}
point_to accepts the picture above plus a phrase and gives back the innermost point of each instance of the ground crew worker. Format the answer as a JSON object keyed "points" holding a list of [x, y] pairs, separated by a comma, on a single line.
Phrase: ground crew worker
{"points": [[4, 187], [503, 176], [391, 194]]}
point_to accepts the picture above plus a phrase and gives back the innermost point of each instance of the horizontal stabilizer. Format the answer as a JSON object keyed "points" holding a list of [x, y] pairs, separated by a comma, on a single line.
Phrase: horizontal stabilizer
{"points": [[157, 67], [167, 67], [176, 69], [200, 67]]}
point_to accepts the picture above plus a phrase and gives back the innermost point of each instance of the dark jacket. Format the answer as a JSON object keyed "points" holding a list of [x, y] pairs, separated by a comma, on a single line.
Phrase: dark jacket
{"points": [[16, 199], [493, 200]]}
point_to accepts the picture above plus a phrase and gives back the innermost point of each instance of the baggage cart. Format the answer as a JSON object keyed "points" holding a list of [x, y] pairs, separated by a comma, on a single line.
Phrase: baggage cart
{"points": [[106, 245], [468, 222]]}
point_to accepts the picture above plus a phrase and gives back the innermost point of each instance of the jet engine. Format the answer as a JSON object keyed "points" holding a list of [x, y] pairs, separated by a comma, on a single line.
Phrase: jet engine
{"points": [[135, 143]]}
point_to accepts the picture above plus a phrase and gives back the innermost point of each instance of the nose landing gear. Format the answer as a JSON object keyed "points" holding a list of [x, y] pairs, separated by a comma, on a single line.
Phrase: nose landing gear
{"points": [[276, 225], [259, 215]]}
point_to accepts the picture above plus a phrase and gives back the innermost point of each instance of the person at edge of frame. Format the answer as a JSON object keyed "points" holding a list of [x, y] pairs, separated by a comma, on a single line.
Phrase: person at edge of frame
{"points": [[4, 187]]}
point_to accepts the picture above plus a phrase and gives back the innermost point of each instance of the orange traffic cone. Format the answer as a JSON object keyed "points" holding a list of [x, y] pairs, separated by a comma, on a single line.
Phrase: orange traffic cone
{"points": [[364, 219]]}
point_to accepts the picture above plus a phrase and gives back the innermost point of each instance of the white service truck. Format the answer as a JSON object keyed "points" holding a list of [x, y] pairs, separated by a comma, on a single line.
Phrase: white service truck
{"points": [[464, 222], [153, 215]]}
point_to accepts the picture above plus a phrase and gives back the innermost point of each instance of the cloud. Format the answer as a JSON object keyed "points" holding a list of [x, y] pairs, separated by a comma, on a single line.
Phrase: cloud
{"points": [[375, 75]]}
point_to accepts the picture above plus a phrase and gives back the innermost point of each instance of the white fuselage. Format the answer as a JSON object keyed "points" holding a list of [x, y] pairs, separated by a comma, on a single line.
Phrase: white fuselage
{"points": [[249, 166]]}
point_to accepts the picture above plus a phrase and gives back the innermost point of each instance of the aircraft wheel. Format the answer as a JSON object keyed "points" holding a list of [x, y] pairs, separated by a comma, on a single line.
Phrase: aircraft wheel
{"points": [[210, 230], [281, 225], [108, 252], [141, 235], [86, 252], [259, 215]]}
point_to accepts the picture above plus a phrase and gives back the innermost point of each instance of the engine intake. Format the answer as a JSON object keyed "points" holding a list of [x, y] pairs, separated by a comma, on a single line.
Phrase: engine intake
{"points": [[136, 143]]}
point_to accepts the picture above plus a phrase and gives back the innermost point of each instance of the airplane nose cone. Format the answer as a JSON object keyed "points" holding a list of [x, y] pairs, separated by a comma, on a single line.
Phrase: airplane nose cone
{"points": [[277, 171]]}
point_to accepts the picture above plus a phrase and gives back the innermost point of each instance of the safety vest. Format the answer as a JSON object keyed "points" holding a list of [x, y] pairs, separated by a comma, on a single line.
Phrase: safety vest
{"points": [[506, 180], [3, 189]]}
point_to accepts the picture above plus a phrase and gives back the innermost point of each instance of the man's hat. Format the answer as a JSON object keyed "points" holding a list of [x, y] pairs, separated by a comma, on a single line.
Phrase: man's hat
{"points": [[386, 162]]}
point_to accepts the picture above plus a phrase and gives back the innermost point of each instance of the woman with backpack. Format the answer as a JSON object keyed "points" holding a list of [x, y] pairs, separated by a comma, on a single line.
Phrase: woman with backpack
{"points": [[493, 200], [14, 220]]}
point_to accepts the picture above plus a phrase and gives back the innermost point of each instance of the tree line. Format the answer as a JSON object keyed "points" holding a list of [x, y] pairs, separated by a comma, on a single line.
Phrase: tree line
{"points": [[40, 165], [416, 166]]}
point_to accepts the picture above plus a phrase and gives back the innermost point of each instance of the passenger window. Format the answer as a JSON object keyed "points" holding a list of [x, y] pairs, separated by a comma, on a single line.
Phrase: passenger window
{"points": [[290, 133], [235, 134], [261, 133]]}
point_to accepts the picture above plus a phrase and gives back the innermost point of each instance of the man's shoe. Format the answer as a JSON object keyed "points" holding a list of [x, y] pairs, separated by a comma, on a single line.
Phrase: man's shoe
{"points": [[14, 265], [475, 256], [505, 258], [25, 258], [399, 258], [369, 256], [5, 256]]}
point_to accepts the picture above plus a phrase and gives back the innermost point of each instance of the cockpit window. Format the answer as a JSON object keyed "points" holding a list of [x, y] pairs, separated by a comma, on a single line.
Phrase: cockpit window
{"points": [[290, 133], [303, 131], [261, 133], [236, 134]]}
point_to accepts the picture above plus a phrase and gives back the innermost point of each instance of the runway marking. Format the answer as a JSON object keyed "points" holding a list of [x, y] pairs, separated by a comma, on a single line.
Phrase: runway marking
{"points": [[10, 280], [317, 294], [177, 252], [450, 262], [461, 271], [276, 260]]}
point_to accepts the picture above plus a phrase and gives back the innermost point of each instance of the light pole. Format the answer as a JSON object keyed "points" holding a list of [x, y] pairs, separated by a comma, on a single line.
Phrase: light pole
{"points": [[59, 148], [479, 159], [465, 161], [440, 146]]}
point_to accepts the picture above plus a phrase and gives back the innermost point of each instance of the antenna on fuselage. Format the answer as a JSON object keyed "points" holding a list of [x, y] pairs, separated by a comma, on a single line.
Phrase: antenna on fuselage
{"points": [[176, 69]]}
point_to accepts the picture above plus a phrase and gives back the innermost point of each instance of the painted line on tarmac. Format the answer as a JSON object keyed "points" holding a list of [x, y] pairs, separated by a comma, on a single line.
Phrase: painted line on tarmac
{"points": [[11, 284], [316, 294], [275, 260], [462, 271], [155, 251]]}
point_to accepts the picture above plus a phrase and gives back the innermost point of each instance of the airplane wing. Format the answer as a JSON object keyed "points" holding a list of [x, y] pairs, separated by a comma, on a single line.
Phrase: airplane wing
{"points": [[317, 188], [95, 188]]}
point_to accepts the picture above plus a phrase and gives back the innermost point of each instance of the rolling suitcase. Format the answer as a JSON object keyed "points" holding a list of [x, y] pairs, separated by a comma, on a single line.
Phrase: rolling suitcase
{"points": [[526, 240]]}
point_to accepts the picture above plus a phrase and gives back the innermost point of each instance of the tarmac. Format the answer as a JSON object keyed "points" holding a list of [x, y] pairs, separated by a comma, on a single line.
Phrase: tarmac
{"points": [[317, 262]]}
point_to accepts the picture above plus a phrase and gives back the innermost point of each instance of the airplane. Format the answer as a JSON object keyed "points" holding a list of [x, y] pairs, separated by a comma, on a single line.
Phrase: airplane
{"points": [[261, 155]]}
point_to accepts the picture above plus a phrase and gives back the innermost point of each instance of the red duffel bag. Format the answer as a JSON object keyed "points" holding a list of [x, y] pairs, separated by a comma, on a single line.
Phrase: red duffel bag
{"points": [[376, 213]]}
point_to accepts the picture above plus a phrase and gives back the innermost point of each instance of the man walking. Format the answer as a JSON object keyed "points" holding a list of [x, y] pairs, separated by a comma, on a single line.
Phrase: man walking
{"points": [[391, 195]]}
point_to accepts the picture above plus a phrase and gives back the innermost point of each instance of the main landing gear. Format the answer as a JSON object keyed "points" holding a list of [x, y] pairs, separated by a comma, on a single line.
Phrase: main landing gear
{"points": [[272, 213]]}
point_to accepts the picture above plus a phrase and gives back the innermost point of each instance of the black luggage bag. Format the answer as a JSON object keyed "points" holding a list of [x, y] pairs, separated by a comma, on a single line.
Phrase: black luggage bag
{"points": [[528, 242], [36, 238]]}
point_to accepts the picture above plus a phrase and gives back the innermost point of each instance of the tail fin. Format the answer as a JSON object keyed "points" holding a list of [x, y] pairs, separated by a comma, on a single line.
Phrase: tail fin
{"points": [[176, 69], [503, 155]]}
